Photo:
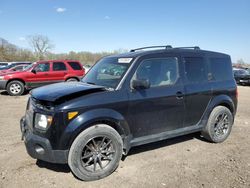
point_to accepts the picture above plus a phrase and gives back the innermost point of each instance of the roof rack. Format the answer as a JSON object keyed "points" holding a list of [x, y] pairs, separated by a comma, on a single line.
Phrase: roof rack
{"points": [[189, 47], [147, 47], [166, 47]]}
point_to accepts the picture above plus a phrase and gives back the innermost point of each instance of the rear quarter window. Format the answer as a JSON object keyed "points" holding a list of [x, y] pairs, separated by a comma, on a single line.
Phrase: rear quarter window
{"points": [[195, 69], [221, 68], [75, 65]]}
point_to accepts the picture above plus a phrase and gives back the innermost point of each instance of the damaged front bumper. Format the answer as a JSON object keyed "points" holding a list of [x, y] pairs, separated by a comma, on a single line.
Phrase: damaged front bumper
{"points": [[40, 148]]}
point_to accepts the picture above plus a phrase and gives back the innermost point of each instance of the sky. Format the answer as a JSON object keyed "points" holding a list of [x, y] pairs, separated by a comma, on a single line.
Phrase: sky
{"points": [[107, 25]]}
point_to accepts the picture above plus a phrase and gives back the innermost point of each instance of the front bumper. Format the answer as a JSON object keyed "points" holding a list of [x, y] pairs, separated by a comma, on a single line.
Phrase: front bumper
{"points": [[3, 84], [40, 148]]}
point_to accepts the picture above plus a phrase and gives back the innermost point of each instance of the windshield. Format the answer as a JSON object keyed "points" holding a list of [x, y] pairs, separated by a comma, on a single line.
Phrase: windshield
{"points": [[240, 72], [29, 66], [107, 72]]}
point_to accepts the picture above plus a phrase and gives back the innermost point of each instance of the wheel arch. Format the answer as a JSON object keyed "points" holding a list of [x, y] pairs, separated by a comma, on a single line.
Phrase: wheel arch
{"points": [[90, 118], [15, 79], [75, 77], [220, 100]]}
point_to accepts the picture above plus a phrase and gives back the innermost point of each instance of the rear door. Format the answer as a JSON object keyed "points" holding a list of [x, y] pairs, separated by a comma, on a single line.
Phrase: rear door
{"points": [[198, 90], [59, 71]]}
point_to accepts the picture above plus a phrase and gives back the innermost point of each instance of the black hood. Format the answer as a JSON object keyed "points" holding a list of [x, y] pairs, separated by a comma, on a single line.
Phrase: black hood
{"points": [[60, 92]]}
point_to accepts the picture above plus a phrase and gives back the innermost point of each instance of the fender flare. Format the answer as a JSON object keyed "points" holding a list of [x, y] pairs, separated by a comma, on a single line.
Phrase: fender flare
{"points": [[220, 100], [90, 118]]}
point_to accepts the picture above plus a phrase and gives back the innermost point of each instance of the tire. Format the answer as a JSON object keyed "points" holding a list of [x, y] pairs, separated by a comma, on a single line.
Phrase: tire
{"points": [[72, 80], [84, 155], [15, 88], [219, 125]]}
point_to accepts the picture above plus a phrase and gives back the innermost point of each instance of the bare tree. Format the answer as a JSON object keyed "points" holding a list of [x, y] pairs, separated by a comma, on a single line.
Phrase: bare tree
{"points": [[40, 44]]}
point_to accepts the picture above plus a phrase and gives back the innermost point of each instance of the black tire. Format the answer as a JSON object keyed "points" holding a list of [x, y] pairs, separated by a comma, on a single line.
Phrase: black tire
{"points": [[72, 80], [15, 88], [219, 125], [82, 148]]}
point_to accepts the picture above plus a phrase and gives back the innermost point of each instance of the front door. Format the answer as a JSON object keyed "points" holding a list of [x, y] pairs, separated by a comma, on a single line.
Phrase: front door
{"points": [[159, 108], [40, 75]]}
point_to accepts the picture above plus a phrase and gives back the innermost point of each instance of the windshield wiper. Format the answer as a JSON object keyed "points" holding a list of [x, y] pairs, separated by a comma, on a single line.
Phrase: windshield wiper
{"points": [[107, 88], [91, 83]]}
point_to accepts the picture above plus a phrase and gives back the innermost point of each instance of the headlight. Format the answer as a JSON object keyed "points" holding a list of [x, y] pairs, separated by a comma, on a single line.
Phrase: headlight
{"points": [[42, 121], [1, 77]]}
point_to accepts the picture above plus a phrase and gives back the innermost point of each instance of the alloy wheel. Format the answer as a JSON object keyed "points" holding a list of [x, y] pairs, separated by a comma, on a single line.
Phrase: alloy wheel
{"points": [[221, 125], [97, 154]]}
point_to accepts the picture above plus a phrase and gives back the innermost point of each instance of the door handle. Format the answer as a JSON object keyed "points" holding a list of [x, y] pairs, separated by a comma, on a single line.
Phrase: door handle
{"points": [[179, 95]]}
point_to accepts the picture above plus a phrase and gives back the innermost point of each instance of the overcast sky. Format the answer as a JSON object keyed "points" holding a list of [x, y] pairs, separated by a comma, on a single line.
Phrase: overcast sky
{"points": [[78, 25]]}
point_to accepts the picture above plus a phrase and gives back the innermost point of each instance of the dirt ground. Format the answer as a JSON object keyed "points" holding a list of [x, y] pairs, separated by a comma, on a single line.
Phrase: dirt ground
{"points": [[186, 161]]}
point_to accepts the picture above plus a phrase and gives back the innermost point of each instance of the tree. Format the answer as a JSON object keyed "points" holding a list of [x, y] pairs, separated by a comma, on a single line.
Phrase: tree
{"points": [[41, 45], [241, 62]]}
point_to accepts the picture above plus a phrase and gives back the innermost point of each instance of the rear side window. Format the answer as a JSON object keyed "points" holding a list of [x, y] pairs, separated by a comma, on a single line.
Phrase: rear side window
{"points": [[221, 68], [195, 69], [59, 66], [75, 65]]}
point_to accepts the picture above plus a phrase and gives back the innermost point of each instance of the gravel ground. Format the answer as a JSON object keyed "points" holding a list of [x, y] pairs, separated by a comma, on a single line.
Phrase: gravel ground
{"points": [[186, 161]]}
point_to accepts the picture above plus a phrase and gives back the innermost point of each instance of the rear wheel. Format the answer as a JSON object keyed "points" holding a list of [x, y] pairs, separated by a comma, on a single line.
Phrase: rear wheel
{"points": [[15, 88], [71, 80], [219, 125], [95, 153]]}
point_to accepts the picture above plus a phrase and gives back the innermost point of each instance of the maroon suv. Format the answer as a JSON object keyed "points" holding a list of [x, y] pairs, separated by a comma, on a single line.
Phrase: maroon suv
{"points": [[41, 73]]}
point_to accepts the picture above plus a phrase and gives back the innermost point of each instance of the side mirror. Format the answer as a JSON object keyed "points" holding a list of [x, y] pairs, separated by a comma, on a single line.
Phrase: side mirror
{"points": [[33, 71], [140, 84]]}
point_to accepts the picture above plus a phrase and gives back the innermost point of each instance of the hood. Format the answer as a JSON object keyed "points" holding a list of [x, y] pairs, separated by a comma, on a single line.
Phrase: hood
{"points": [[8, 71], [60, 92]]}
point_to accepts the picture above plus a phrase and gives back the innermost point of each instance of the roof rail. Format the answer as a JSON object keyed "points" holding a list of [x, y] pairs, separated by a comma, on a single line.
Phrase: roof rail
{"points": [[189, 47], [147, 47]]}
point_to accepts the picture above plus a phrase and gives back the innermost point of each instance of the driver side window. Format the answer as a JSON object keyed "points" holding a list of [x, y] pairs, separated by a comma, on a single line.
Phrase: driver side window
{"points": [[158, 71], [42, 67]]}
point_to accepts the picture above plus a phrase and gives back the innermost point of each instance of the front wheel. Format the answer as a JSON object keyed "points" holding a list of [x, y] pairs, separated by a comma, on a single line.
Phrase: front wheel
{"points": [[219, 125], [15, 88], [95, 153]]}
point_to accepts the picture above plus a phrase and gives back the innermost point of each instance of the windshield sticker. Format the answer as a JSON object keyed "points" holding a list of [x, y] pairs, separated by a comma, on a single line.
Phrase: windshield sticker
{"points": [[124, 60]]}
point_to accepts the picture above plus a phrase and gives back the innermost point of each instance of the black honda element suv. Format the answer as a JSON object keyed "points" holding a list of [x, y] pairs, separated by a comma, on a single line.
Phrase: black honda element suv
{"points": [[127, 100]]}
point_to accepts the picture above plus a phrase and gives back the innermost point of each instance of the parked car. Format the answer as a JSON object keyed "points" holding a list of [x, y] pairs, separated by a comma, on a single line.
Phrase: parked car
{"points": [[242, 76], [41, 73], [159, 94], [20, 67], [9, 65]]}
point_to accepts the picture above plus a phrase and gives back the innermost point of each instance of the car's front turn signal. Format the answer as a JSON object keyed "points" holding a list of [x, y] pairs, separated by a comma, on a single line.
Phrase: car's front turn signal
{"points": [[71, 115]]}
